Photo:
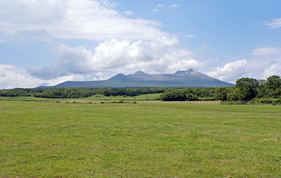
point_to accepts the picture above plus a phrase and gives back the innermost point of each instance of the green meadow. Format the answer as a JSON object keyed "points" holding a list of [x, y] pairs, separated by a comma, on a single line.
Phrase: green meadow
{"points": [[98, 97], [45, 139]]}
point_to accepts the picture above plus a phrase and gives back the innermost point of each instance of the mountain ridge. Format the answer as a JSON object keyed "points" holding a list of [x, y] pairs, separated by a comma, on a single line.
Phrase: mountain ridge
{"points": [[181, 79]]}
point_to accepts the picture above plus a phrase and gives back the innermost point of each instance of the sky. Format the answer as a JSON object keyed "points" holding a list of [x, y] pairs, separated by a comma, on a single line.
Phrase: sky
{"points": [[46, 42]]}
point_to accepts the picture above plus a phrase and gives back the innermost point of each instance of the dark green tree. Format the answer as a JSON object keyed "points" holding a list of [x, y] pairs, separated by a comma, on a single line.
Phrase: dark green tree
{"points": [[247, 88], [273, 82], [173, 95], [221, 94]]}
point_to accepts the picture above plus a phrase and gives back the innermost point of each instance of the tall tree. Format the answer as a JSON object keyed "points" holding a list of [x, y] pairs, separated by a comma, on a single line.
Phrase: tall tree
{"points": [[247, 88], [273, 82]]}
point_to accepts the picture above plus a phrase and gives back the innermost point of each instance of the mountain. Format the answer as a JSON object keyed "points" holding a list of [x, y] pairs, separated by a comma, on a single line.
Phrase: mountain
{"points": [[189, 78]]}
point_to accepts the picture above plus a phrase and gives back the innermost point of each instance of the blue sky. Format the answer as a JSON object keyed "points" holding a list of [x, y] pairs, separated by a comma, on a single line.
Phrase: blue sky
{"points": [[51, 41]]}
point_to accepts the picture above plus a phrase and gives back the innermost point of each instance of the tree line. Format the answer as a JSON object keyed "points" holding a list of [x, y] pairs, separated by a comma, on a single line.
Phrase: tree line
{"points": [[188, 94], [247, 89], [78, 92]]}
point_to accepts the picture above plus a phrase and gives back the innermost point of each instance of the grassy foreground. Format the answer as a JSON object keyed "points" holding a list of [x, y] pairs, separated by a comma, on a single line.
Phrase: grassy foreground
{"points": [[39, 139]]}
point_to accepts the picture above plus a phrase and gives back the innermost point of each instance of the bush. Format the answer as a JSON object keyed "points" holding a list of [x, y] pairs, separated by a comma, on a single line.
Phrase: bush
{"points": [[266, 101], [178, 95], [173, 95], [234, 102], [191, 97]]}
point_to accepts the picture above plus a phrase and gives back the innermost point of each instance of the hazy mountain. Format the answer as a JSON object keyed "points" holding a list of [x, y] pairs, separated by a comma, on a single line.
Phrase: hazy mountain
{"points": [[188, 78]]}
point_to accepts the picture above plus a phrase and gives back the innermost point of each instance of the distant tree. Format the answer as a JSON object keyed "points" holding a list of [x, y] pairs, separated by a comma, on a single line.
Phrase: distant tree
{"points": [[221, 93], [273, 82], [262, 90], [191, 97], [233, 95], [247, 88], [178, 95], [173, 95], [204, 92]]}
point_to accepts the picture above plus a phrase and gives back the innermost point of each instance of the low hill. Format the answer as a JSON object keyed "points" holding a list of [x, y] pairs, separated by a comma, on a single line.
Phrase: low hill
{"points": [[189, 78]]}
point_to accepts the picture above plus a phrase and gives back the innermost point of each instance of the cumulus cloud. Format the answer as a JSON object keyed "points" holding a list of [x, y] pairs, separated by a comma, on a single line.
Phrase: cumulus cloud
{"points": [[69, 61], [231, 71], [114, 56], [128, 12], [72, 19], [11, 77], [275, 23], [264, 62], [272, 70], [107, 59], [17, 77], [127, 44]]}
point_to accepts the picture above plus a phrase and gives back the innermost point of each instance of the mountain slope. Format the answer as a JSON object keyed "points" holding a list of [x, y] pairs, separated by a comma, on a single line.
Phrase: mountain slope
{"points": [[188, 78]]}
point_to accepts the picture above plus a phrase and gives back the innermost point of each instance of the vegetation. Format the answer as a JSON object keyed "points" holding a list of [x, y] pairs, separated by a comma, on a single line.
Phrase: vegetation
{"points": [[191, 93], [246, 89], [249, 89], [178, 95], [40, 139], [78, 92]]}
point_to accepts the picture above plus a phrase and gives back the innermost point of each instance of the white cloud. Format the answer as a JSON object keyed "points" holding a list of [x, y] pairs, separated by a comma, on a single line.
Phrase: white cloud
{"points": [[160, 5], [69, 61], [231, 71], [16, 77], [275, 23], [185, 64], [11, 77], [264, 62], [114, 56], [266, 51], [272, 70], [164, 6], [72, 19], [128, 12], [107, 59], [155, 10], [174, 5], [167, 5], [188, 36]]}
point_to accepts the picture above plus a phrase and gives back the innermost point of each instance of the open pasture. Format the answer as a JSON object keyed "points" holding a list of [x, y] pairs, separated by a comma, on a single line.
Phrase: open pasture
{"points": [[41, 139]]}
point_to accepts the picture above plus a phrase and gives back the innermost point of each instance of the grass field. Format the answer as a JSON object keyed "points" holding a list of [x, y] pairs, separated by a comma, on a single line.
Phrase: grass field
{"points": [[97, 99], [93, 98], [155, 96], [41, 139]]}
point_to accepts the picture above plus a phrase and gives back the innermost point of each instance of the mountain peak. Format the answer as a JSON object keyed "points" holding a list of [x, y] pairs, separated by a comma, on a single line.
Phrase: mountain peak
{"points": [[184, 72], [191, 70], [119, 76], [139, 73]]}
